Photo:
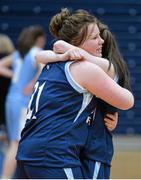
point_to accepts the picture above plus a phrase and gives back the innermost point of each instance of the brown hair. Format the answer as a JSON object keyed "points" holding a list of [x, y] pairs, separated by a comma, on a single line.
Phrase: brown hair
{"points": [[71, 27], [111, 52], [28, 37]]}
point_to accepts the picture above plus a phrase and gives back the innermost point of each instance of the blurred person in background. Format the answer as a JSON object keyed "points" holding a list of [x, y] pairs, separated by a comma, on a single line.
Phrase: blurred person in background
{"points": [[97, 154], [6, 48], [25, 72]]}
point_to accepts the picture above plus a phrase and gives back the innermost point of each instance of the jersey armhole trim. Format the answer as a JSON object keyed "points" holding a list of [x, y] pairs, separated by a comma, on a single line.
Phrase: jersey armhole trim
{"points": [[70, 79], [116, 78]]}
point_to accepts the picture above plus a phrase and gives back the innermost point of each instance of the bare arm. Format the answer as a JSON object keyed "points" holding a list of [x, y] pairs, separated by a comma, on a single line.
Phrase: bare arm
{"points": [[96, 81], [61, 46], [48, 56], [6, 72], [70, 52], [5, 63]]}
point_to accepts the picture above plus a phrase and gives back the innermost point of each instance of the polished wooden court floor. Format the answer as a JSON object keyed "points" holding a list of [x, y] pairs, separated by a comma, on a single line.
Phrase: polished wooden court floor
{"points": [[127, 159]]}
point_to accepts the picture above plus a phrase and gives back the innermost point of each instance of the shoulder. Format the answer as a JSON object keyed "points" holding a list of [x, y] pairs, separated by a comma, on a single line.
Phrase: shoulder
{"points": [[85, 72], [85, 68]]}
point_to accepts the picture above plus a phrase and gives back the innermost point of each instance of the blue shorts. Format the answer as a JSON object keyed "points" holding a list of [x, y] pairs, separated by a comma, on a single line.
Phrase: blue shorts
{"points": [[25, 171], [95, 170], [15, 117]]}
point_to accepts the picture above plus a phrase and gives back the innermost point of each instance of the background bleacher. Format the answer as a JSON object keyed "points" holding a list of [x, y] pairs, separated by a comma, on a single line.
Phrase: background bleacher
{"points": [[123, 18]]}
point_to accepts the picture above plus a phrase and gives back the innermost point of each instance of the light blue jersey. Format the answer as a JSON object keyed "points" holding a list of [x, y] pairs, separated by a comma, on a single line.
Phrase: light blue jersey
{"points": [[28, 72], [16, 104], [13, 100], [17, 62]]}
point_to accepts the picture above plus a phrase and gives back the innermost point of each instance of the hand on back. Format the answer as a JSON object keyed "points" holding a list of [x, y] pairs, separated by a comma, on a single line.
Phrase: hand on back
{"points": [[111, 121]]}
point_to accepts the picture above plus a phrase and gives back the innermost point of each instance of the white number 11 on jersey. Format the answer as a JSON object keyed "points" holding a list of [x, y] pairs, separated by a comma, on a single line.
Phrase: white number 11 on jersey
{"points": [[29, 110]]}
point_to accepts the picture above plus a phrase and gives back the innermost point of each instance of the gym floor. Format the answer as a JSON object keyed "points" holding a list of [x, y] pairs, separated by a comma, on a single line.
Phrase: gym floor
{"points": [[127, 158]]}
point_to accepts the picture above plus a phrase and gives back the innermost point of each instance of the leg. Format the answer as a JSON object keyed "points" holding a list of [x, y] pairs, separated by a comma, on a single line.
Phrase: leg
{"points": [[10, 162], [13, 118]]}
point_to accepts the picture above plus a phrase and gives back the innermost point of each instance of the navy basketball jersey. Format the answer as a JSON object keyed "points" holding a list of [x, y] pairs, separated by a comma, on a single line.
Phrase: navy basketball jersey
{"points": [[99, 146], [56, 128]]}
